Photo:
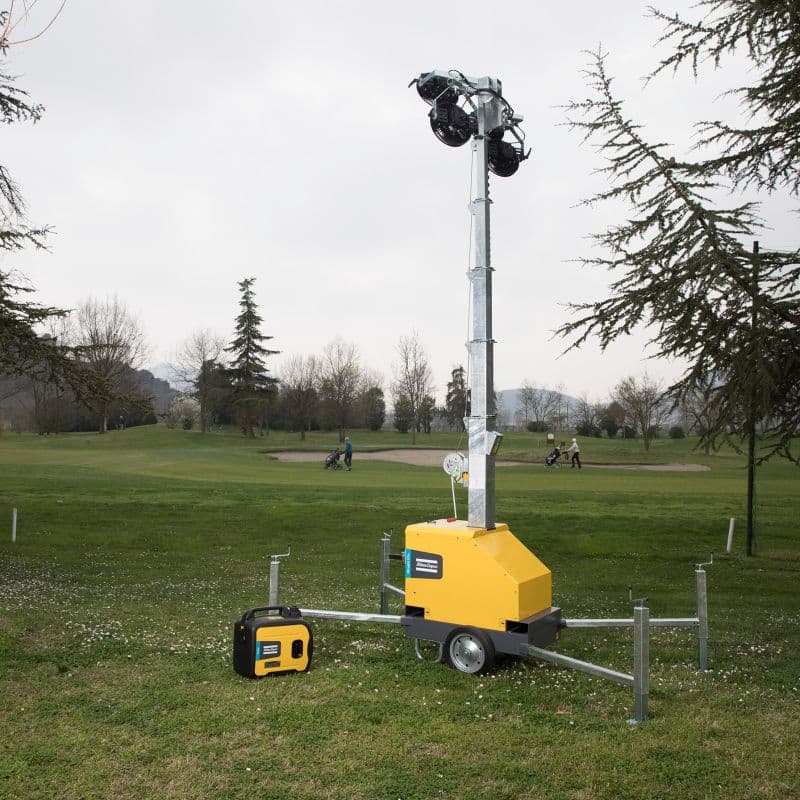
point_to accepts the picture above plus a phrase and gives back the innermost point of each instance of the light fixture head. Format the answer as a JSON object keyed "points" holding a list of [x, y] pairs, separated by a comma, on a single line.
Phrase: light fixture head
{"points": [[432, 87], [504, 158], [450, 123], [456, 101]]}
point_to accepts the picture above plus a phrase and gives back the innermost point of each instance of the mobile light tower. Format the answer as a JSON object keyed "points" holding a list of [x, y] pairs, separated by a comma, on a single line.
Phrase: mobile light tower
{"points": [[471, 585]]}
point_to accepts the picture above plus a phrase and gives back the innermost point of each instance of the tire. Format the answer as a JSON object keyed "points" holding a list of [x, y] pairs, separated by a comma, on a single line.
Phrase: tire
{"points": [[469, 650]]}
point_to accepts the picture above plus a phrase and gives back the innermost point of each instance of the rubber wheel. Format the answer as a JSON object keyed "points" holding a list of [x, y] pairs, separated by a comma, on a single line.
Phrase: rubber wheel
{"points": [[469, 650]]}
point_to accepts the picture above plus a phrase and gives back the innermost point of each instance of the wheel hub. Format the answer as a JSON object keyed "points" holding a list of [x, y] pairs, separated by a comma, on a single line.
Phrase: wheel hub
{"points": [[467, 653]]}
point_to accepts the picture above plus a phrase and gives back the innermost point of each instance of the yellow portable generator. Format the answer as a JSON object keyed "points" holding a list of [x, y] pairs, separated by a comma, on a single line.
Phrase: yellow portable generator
{"points": [[270, 640]]}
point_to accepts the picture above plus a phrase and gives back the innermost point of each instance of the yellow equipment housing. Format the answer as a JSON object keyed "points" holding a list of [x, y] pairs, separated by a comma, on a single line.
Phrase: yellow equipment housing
{"points": [[473, 576]]}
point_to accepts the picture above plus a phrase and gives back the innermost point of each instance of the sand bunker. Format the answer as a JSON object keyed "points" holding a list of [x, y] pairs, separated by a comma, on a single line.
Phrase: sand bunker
{"points": [[419, 458], [434, 458]]}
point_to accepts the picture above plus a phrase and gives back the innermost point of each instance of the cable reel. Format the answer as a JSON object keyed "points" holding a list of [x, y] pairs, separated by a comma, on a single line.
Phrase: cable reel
{"points": [[456, 465]]}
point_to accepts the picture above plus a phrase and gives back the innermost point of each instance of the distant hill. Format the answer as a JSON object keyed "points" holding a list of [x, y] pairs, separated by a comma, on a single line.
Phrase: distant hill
{"points": [[162, 371], [166, 372], [157, 388]]}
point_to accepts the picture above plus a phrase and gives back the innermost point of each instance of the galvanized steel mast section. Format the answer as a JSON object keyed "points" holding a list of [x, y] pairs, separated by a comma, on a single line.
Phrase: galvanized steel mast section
{"points": [[482, 417]]}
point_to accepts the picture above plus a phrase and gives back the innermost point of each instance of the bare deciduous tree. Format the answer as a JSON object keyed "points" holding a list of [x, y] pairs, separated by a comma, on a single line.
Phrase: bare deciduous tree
{"points": [[299, 380], [371, 379], [412, 378], [644, 404], [542, 407], [700, 412], [110, 341], [194, 367], [339, 382], [586, 417], [527, 401], [557, 407]]}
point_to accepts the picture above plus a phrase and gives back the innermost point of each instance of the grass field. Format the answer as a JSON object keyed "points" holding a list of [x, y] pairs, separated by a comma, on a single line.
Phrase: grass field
{"points": [[137, 550]]}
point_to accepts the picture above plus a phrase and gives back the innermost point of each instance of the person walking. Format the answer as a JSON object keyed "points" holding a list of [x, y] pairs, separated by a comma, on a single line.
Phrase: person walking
{"points": [[348, 453], [576, 453]]}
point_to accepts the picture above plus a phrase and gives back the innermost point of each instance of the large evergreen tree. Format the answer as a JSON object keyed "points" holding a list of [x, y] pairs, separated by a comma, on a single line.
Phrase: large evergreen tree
{"points": [[403, 413], [687, 268], [22, 350], [253, 387]]}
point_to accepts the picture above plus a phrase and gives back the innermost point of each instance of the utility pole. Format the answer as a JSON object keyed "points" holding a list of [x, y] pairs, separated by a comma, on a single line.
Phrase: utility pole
{"points": [[751, 415]]}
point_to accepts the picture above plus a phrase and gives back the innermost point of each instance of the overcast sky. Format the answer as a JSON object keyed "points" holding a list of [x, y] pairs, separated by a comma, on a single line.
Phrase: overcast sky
{"points": [[187, 145]]}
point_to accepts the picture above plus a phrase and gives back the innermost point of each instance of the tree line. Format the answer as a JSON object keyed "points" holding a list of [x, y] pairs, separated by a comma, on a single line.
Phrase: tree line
{"points": [[637, 408], [333, 390], [229, 383]]}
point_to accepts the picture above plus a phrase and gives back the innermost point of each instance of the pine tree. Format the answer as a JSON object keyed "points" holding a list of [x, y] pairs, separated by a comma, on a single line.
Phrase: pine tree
{"points": [[22, 350], [766, 154], [686, 268], [456, 401], [403, 413], [253, 388], [374, 406]]}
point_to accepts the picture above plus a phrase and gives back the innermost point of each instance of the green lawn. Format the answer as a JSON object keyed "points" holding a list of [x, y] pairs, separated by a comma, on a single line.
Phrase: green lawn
{"points": [[137, 550]]}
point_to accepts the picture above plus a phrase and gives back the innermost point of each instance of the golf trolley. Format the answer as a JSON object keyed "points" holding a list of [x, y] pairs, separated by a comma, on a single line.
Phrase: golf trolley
{"points": [[553, 458]]}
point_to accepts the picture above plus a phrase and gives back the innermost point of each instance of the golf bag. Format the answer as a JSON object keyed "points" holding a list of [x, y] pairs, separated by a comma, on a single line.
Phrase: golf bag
{"points": [[332, 460], [553, 459]]}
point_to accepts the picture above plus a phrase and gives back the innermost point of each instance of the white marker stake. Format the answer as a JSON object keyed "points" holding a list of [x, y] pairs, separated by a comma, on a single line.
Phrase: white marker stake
{"points": [[731, 526], [14, 525]]}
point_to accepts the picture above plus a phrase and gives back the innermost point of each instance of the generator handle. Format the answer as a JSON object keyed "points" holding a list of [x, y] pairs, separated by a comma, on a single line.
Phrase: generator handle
{"points": [[252, 612]]}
